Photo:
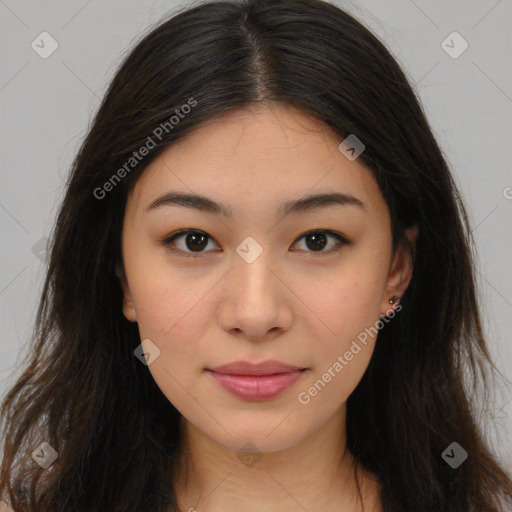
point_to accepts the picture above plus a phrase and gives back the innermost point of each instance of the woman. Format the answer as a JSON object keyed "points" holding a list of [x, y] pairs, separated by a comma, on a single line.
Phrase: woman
{"points": [[260, 285]]}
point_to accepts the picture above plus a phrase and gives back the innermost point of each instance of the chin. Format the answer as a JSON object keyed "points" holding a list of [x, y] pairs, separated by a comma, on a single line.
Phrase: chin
{"points": [[265, 437]]}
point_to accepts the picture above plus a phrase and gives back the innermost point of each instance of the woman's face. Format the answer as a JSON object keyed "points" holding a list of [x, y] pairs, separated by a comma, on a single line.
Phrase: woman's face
{"points": [[258, 289]]}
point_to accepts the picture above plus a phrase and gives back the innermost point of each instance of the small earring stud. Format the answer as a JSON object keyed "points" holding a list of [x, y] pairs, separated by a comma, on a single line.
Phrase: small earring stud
{"points": [[394, 299]]}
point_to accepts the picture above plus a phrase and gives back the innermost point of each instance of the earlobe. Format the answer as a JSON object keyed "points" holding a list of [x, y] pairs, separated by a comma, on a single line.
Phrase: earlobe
{"points": [[128, 305]]}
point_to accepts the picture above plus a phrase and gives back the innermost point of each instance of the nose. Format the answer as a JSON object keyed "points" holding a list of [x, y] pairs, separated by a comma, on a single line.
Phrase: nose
{"points": [[256, 301]]}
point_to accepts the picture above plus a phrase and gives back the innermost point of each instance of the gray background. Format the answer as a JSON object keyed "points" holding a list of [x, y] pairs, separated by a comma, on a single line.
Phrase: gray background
{"points": [[47, 104]]}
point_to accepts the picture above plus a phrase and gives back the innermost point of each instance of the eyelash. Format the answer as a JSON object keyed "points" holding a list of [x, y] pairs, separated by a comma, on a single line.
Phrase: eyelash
{"points": [[168, 241]]}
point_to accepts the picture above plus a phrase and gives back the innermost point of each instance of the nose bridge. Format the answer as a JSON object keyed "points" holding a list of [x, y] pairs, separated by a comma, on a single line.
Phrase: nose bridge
{"points": [[254, 302], [253, 271]]}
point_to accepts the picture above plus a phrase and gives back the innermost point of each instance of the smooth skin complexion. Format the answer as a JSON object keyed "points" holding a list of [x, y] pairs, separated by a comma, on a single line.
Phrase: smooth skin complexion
{"points": [[302, 301]]}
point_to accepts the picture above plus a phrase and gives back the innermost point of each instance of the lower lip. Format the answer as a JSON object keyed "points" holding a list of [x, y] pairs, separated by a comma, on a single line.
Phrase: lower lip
{"points": [[257, 387]]}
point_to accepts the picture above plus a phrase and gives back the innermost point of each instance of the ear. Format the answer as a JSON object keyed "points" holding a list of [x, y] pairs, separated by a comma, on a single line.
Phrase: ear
{"points": [[400, 273], [128, 305]]}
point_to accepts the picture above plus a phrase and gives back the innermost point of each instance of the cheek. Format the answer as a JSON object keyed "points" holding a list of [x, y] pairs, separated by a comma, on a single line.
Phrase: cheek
{"points": [[173, 313], [341, 358], [171, 309], [350, 303], [349, 308], [165, 294]]}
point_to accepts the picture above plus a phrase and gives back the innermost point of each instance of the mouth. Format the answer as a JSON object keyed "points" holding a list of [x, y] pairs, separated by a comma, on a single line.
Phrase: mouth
{"points": [[256, 382]]}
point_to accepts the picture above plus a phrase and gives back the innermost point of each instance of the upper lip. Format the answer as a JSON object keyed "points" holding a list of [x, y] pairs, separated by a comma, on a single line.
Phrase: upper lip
{"points": [[248, 368]]}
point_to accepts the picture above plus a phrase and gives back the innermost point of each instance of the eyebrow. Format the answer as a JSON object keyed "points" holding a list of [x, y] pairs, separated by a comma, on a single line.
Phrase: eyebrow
{"points": [[302, 205]]}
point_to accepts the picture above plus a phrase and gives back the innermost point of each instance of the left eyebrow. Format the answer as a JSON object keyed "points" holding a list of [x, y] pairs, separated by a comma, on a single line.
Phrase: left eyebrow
{"points": [[318, 201], [297, 206]]}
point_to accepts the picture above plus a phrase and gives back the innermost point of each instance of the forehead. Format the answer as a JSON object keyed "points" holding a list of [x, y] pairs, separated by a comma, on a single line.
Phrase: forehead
{"points": [[267, 154], [272, 132]]}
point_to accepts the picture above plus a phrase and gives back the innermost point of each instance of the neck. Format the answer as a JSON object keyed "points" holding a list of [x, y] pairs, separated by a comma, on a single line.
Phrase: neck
{"points": [[316, 474]]}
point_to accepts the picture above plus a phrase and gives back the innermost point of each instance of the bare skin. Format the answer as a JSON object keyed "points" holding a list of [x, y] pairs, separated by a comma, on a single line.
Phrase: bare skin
{"points": [[293, 303], [271, 481]]}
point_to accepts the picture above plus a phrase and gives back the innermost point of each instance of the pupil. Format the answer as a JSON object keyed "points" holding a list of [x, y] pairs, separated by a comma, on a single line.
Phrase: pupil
{"points": [[194, 237], [318, 240]]}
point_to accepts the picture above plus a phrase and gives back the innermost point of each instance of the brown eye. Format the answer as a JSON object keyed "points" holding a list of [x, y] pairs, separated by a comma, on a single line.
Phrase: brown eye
{"points": [[316, 241], [194, 241]]}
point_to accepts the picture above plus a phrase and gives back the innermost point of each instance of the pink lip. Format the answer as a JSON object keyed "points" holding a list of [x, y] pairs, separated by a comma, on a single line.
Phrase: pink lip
{"points": [[256, 381]]}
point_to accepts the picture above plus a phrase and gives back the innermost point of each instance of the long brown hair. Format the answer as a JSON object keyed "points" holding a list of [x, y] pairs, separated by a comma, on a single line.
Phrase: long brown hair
{"points": [[85, 393]]}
